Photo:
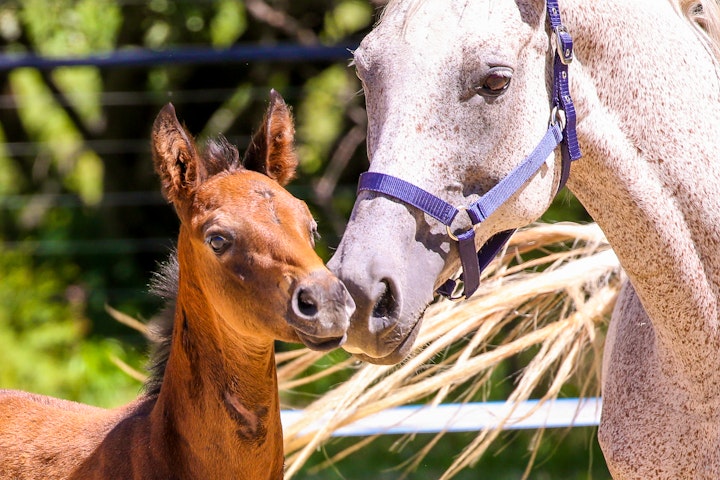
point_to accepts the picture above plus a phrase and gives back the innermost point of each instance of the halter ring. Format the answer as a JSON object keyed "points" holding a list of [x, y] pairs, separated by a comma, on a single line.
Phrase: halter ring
{"points": [[457, 297], [450, 232], [558, 117]]}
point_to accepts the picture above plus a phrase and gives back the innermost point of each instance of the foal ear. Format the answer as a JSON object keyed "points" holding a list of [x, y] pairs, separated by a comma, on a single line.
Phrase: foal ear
{"points": [[272, 149], [175, 157]]}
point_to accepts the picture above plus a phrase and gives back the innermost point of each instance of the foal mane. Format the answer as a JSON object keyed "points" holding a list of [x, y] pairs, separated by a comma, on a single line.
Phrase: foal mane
{"points": [[164, 284], [218, 156]]}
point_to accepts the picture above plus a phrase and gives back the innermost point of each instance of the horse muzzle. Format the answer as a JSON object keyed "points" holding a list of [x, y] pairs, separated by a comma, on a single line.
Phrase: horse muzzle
{"points": [[320, 311]]}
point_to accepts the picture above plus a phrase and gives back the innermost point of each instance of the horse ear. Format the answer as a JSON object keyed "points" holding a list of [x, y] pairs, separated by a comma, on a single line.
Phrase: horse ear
{"points": [[272, 149], [175, 157]]}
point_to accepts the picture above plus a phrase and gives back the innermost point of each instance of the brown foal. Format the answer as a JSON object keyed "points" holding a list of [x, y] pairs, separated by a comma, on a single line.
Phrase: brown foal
{"points": [[245, 274]]}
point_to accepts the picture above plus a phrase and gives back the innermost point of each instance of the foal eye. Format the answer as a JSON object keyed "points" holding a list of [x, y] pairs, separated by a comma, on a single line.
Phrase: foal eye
{"points": [[495, 83], [218, 243]]}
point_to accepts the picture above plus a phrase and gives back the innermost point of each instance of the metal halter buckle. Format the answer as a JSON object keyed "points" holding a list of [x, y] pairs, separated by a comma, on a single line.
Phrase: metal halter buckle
{"points": [[563, 44]]}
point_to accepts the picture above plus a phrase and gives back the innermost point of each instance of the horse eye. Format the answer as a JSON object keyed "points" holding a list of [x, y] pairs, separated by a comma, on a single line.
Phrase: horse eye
{"points": [[495, 83], [218, 243]]}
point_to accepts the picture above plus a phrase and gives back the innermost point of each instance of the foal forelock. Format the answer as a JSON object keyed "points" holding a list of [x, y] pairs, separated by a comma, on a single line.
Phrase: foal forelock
{"points": [[219, 155]]}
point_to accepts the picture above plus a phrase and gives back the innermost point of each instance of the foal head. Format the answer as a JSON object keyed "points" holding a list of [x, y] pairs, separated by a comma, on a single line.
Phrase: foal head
{"points": [[246, 245]]}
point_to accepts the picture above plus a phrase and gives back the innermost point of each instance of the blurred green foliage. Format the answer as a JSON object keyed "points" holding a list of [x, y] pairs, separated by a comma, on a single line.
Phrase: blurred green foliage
{"points": [[42, 330], [320, 116], [82, 223]]}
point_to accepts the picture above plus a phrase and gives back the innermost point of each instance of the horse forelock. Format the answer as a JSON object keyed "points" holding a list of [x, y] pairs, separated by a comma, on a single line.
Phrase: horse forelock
{"points": [[424, 17], [219, 155], [393, 5], [410, 7], [164, 284]]}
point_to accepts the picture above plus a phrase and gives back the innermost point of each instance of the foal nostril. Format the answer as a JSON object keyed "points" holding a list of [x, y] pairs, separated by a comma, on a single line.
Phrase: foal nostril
{"points": [[386, 303], [305, 303]]}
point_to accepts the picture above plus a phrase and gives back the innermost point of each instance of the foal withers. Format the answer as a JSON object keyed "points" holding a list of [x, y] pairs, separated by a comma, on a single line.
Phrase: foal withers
{"points": [[248, 275]]}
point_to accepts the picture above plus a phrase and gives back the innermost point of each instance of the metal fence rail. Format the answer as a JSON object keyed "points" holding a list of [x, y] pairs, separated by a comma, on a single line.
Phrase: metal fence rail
{"points": [[468, 417], [141, 57]]}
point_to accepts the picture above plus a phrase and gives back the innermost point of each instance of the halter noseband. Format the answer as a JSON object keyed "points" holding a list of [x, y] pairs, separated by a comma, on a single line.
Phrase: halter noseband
{"points": [[560, 132]]}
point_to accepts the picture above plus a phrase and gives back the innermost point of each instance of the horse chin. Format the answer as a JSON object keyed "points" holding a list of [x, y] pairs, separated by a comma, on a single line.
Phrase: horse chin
{"points": [[321, 343], [397, 355], [387, 319]]}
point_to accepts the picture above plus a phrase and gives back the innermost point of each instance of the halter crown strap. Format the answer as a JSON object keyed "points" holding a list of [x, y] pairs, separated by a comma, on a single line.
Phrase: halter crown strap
{"points": [[560, 132], [562, 101]]}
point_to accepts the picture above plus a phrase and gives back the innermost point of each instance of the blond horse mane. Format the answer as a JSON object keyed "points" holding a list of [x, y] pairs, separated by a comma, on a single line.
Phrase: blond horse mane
{"points": [[704, 16]]}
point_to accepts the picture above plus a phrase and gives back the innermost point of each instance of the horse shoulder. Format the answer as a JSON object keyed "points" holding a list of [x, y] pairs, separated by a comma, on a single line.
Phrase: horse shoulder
{"points": [[45, 437], [642, 395], [128, 449], [48, 438]]}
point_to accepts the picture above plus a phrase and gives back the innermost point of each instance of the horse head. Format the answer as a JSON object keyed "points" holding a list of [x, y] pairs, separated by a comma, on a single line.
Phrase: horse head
{"points": [[457, 94], [246, 242]]}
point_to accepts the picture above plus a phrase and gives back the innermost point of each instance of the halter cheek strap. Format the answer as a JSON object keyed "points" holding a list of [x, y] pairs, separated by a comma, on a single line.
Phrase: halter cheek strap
{"points": [[560, 132]]}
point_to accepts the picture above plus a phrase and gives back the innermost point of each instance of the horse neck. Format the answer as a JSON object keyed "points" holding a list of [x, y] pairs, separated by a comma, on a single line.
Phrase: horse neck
{"points": [[218, 407], [648, 123]]}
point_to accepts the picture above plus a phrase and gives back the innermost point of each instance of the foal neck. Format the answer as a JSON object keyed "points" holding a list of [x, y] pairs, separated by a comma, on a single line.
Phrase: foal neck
{"points": [[218, 406]]}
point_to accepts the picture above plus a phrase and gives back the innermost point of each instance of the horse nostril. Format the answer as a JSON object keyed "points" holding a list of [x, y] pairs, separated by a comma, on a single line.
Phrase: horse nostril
{"points": [[386, 304], [306, 303]]}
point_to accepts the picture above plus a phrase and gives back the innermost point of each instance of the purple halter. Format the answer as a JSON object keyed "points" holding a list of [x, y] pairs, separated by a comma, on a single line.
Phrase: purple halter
{"points": [[560, 132]]}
